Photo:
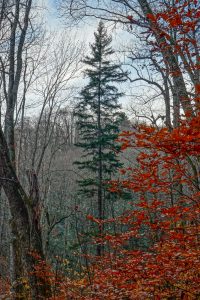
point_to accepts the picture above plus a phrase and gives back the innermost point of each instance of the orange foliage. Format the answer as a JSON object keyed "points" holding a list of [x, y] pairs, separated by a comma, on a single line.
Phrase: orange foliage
{"points": [[177, 26], [157, 254], [166, 216]]}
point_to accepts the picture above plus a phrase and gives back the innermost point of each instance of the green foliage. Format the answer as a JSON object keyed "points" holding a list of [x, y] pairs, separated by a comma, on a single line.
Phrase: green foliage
{"points": [[99, 116]]}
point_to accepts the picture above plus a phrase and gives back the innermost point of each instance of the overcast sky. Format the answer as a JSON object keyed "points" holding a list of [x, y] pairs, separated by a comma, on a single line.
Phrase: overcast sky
{"points": [[85, 32]]}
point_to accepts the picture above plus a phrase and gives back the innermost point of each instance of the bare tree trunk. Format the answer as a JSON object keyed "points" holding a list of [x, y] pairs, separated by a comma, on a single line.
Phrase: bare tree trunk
{"points": [[25, 231], [25, 238], [171, 60], [99, 192]]}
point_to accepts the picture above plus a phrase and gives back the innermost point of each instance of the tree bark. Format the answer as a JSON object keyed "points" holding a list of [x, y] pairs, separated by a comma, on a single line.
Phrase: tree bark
{"points": [[99, 133], [171, 60], [26, 235]]}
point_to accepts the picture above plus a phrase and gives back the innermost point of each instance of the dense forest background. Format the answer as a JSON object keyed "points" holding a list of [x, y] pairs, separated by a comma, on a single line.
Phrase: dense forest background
{"points": [[99, 149]]}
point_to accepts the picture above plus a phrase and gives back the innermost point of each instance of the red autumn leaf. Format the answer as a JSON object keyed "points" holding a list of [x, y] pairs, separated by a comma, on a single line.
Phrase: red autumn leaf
{"points": [[151, 17], [130, 18]]}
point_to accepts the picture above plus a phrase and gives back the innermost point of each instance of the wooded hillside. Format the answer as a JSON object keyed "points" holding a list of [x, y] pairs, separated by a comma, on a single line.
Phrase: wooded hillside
{"points": [[99, 149]]}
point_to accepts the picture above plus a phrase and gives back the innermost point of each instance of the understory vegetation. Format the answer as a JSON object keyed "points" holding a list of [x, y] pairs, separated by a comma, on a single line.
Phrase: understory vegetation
{"points": [[100, 149]]}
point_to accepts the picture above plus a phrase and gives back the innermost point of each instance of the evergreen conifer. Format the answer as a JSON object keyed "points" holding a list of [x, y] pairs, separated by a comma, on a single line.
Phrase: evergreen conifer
{"points": [[99, 116]]}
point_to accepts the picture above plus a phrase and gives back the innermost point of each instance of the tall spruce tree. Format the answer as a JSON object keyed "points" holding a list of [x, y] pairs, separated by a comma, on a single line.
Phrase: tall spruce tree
{"points": [[98, 118]]}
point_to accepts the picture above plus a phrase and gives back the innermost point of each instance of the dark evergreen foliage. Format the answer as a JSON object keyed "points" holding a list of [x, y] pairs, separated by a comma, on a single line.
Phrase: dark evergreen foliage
{"points": [[99, 117]]}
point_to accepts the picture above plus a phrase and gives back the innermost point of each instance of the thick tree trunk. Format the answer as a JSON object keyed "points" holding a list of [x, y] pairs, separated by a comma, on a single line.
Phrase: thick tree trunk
{"points": [[171, 60], [27, 236]]}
